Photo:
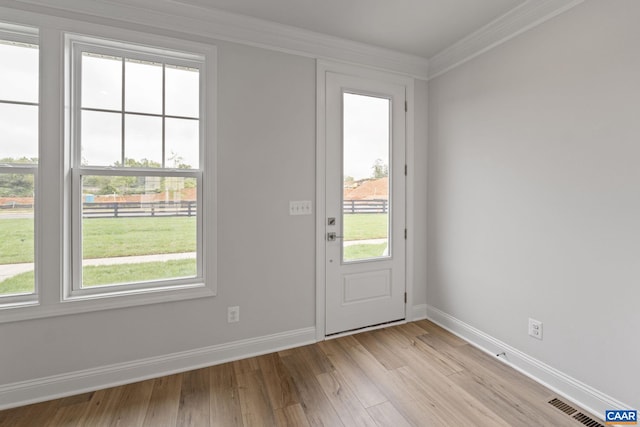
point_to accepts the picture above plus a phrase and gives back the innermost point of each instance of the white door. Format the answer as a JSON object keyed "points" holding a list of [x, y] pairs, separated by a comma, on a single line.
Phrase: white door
{"points": [[365, 202]]}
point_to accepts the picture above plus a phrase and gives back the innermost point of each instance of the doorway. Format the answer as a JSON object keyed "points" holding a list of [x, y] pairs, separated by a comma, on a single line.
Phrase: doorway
{"points": [[364, 197]]}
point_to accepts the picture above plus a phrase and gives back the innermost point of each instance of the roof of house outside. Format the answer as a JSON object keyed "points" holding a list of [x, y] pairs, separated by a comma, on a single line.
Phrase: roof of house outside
{"points": [[369, 189]]}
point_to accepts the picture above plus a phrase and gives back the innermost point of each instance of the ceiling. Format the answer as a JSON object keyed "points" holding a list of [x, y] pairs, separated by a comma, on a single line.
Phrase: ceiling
{"points": [[417, 27]]}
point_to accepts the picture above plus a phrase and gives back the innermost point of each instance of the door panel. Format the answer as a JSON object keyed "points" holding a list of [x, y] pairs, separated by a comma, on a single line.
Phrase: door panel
{"points": [[365, 202]]}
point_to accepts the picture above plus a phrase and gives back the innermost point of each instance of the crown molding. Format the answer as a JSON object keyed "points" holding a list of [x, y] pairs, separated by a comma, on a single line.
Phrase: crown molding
{"points": [[213, 24], [518, 20], [182, 17]]}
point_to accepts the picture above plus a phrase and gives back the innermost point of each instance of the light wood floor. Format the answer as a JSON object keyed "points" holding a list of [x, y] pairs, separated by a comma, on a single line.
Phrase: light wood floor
{"points": [[410, 375]]}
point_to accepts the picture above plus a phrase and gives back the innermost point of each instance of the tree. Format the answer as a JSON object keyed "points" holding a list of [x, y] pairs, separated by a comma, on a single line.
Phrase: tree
{"points": [[17, 184], [380, 169]]}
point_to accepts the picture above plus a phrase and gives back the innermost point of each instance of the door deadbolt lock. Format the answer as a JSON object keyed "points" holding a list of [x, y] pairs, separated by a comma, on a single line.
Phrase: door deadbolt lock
{"points": [[331, 221]]}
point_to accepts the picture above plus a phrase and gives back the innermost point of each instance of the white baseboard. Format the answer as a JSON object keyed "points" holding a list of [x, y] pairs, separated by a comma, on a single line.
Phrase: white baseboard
{"points": [[571, 389], [418, 312], [57, 386]]}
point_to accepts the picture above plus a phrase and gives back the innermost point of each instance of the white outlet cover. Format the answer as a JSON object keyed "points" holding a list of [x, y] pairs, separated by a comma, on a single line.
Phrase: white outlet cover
{"points": [[233, 314], [535, 328]]}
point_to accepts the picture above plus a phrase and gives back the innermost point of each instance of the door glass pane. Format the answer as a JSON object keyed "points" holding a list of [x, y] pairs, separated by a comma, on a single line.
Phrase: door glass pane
{"points": [[366, 160], [138, 229], [16, 229]]}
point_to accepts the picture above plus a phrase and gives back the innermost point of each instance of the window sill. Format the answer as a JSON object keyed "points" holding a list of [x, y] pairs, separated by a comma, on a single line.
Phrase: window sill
{"points": [[85, 304]]}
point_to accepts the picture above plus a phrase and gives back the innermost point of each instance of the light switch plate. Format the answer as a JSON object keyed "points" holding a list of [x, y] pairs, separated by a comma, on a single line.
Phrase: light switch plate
{"points": [[300, 207]]}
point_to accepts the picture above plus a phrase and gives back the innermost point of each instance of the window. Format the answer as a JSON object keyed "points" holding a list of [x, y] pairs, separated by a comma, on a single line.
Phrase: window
{"points": [[117, 141], [19, 96], [136, 170]]}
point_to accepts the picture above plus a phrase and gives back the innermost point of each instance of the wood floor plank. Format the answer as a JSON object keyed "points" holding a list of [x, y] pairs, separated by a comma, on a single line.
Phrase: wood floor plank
{"points": [[479, 362], [403, 395], [254, 397], [411, 329], [164, 402], [102, 408], [280, 387], [344, 401], [194, 409], [26, 416], [385, 414], [385, 355], [449, 403], [416, 352], [226, 410], [508, 405], [133, 404], [365, 390], [442, 333], [488, 381], [315, 359], [317, 407], [291, 416], [68, 416]]}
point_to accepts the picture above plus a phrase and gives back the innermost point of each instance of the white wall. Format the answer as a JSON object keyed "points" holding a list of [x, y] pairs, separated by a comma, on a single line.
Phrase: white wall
{"points": [[266, 149], [266, 155], [534, 195]]}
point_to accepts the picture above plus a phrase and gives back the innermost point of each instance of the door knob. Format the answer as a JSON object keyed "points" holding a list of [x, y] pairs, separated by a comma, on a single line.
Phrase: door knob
{"points": [[332, 236]]}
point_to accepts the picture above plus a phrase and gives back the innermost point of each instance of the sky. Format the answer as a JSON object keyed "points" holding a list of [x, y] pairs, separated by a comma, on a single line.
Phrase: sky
{"points": [[366, 134], [366, 118], [18, 82], [101, 133]]}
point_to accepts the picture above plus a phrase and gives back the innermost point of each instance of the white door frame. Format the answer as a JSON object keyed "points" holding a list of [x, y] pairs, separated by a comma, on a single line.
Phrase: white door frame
{"points": [[322, 67]]}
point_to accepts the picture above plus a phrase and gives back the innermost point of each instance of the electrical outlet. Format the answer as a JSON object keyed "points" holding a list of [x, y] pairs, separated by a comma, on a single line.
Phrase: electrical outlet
{"points": [[535, 328], [233, 314]]}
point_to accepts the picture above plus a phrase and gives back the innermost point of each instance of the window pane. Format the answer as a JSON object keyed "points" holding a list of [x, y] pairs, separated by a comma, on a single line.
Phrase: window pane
{"points": [[182, 143], [183, 92], [101, 138], [143, 87], [18, 72], [101, 82], [143, 141], [366, 145], [137, 229], [18, 133], [16, 229]]}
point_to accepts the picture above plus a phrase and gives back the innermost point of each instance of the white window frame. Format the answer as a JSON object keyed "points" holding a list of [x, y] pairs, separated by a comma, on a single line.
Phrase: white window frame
{"points": [[204, 283], [27, 35], [53, 225]]}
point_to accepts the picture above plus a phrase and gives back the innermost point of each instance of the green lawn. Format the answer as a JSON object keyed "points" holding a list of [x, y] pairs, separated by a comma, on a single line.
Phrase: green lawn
{"points": [[356, 252], [113, 237], [20, 284], [16, 244], [365, 226], [116, 237], [111, 274], [106, 237]]}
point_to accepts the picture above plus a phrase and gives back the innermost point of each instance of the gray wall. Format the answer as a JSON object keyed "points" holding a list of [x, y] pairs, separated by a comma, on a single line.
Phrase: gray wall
{"points": [[534, 195], [266, 154]]}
